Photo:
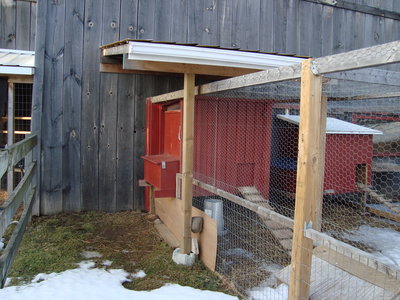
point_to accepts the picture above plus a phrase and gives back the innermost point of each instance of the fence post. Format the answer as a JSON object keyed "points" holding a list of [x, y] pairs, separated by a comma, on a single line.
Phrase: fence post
{"points": [[10, 134], [310, 170], [187, 161]]}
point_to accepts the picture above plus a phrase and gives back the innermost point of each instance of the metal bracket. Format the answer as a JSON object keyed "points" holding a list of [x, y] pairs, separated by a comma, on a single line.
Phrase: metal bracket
{"points": [[307, 226], [314, 69]]}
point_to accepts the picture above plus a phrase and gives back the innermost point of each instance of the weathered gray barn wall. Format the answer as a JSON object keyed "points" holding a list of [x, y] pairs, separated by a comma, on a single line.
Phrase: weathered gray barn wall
{"points": [[18, 24], [92, 125]]}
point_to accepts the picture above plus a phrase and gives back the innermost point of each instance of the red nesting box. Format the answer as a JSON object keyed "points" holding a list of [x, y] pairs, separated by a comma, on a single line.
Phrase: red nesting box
{"points": [[160, 171]]}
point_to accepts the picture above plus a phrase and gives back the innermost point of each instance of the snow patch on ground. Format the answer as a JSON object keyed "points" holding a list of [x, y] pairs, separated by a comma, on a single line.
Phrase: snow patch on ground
{"points": [[107, 263], [1, 243], [87, 282], [263, 292], [386, 242], [90, 254], [140, 274]]}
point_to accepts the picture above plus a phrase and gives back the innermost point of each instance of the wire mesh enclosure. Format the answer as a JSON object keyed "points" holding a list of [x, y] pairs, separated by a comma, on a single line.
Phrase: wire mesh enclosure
{"points": [[246, 161]]}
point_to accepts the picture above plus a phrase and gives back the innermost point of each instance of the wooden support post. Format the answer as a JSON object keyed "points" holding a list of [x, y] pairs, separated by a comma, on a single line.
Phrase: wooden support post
{"points": [[10, 134], [187, 161], [152, 201], [310, 170]]}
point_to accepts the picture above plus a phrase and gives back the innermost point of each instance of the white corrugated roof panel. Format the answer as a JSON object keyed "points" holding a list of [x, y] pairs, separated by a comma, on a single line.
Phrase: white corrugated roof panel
{"points": [[17, 62], [335, 126]]}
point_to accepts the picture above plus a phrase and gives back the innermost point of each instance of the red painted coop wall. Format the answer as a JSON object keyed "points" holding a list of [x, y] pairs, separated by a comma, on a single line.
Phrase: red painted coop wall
{"points": [[233, 142], [343, 153]]}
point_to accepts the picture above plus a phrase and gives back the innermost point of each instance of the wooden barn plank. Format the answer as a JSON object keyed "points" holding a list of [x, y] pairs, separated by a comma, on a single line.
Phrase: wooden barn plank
{"points": [[37, 97], [23, 25], [128, 19], [338, 31], [90, 106], [327, 30], [195, 21], [267, 26], [32, 36], [163, 19], [8, 21], [51, 184], [179, 24], [108, 114], [146, 19], [280, 25], [125, 135], [292, 29], [108, 142], [225, 22], [72, 105]]}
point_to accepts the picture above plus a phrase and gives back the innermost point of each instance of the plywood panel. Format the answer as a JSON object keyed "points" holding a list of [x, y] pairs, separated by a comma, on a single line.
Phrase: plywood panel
{"points": [[170, 212]]}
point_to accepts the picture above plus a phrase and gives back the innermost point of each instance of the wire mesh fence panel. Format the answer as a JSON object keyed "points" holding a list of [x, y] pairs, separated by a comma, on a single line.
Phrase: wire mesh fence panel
{"points": [[245, 170], [244, 154]]}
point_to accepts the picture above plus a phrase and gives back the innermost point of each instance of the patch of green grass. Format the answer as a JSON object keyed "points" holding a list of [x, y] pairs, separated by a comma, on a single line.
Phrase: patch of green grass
{"points": [[160, 269], [54, 244]]}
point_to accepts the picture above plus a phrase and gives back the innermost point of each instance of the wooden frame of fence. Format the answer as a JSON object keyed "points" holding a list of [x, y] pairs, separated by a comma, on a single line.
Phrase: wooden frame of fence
{"points": [[23, 193]]}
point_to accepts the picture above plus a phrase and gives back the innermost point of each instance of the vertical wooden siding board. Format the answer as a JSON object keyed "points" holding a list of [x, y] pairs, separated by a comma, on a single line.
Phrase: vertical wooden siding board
{"points": [[179, 24], [349, 18], [23, 24], [280, 23], [129, 15], [108, 114], [108, 142], [266, 26], [210, 23], [32, 37], [195, 21], [316, 28], [253, 24], [125, 151], [52, 110], [306, 28], [90, 105], [338, 31], [146, 20], [8, 20], [368, 31], [327, 30], [144, 87], [359, 30], [163, 20], [225, 18], [72, 105], [238, 21], [292, 29], [37, 97]]}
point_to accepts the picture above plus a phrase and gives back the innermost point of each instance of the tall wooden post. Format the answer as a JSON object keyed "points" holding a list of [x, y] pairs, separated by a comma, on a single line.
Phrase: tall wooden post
{"points": [[310, 170], [187, 161], [10, 134]]}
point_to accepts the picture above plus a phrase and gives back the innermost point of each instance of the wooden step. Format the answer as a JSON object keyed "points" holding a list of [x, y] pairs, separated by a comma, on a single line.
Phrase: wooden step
{"points": [[282, 234]]}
